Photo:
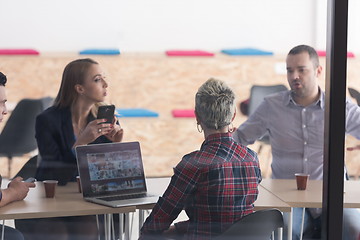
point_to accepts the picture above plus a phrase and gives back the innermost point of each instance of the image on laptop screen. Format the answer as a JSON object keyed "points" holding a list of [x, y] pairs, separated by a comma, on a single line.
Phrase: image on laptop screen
{"points": [[111, 168]]}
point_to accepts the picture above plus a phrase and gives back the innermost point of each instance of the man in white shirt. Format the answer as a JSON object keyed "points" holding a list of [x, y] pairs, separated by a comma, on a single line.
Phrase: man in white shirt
{"points": [[16, 190], [294, 121]]}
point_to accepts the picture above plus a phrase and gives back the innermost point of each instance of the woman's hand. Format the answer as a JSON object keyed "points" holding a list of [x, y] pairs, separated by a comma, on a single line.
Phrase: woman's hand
{"points": [[92, 131], [117, 133]]}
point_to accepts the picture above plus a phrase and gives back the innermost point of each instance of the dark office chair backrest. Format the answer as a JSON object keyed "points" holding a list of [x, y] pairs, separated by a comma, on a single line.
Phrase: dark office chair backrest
{"points": [[255, 226], [47, 102], [29, 168], [355, 94], [257, 94], [18, 135]]}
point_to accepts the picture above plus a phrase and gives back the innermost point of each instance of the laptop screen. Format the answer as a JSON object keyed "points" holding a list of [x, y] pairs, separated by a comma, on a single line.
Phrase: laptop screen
{"points": [[111, 168]]}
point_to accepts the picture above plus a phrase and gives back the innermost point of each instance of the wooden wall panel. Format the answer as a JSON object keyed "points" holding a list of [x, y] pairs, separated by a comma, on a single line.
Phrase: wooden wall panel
{"points": [[159, 83]]}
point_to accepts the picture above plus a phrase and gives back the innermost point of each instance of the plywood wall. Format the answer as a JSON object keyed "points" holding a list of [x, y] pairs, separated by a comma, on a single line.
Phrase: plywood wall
{"points": [[159, 83]]}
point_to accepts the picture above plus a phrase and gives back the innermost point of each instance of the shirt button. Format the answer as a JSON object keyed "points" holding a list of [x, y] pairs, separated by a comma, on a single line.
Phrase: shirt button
{"points": [[304, 126], [305, 143], [305, 159], [304, 110]]}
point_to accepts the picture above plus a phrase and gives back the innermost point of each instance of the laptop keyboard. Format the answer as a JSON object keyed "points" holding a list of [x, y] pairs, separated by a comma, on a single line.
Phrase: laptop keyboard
{"points": [[123, 197]]}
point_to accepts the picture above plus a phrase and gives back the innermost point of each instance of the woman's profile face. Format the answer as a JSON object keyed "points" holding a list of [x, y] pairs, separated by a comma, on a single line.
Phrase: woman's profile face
{"points": [[95, 86]]}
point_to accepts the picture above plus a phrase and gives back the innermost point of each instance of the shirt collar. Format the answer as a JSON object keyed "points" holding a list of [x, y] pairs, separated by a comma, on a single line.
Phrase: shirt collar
{"points": [[218, 136], [288, 100]]}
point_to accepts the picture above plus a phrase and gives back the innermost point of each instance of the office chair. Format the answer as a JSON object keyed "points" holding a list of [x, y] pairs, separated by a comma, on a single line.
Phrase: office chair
{"points": [[256, 226], [18, 135], [29, 168], [355, 94], [47, 102], [257, 94]]}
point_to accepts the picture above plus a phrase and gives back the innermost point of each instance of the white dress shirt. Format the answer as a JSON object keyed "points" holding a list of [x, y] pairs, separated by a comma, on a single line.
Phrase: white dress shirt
{"points": [[296, 133]]}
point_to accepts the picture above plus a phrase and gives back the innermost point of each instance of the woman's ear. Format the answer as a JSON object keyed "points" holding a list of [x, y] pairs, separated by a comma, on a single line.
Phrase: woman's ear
{"points": [[79, 89], [232, 119]]}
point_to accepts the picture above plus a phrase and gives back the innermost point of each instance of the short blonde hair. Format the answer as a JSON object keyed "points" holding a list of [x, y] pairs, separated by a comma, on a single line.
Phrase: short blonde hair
{"points": [[214, 104]]}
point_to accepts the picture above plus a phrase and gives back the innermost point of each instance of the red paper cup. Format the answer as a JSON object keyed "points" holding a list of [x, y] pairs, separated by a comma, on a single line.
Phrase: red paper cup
{"points": [[301, 180], [50, 187]]}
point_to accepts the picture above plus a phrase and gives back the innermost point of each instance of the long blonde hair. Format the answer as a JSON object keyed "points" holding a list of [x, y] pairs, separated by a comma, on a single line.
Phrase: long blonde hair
{"points": [[74, 73]]}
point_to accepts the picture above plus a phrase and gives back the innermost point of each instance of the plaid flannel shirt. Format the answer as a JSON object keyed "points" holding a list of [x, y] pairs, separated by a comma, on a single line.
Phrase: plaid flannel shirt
{"points": [[216, 186]]}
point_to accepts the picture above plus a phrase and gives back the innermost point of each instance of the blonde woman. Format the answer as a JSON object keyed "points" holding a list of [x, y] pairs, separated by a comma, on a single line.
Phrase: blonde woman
{"points": [[216, 185], [70, 122]]}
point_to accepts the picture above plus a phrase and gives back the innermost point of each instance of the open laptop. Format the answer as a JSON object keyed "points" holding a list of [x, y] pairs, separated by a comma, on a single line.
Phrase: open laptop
{"points": [[112, 174]]}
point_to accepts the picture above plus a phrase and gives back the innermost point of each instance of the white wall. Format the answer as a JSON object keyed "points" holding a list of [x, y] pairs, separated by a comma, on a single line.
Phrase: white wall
{"points": [[353, 25], [158, 25]]}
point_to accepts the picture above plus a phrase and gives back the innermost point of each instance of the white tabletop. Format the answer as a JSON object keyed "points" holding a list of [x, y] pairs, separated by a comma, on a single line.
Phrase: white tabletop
{"points": [[67, 202], [265, 198], [286, 190]]}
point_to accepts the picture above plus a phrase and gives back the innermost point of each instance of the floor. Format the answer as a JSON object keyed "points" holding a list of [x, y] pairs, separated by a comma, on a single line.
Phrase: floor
{"points": [[133, 223]]}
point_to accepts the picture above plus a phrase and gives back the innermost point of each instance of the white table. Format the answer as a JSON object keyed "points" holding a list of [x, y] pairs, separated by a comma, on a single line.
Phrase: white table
{"points": [[265, 199], [286, 190], [67, 202]]}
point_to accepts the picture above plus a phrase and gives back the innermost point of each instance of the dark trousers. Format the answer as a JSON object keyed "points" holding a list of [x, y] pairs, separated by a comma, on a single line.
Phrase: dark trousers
{"points": [[11, 233], [60, 228]]}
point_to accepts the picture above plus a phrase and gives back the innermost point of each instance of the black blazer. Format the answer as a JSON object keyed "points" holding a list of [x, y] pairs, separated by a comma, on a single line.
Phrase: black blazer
{"points": [[55, 137]]}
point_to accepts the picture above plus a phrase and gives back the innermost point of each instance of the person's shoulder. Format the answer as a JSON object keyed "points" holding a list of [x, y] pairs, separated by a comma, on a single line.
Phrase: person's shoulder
{"points": [[193, 158], [191, 155], [52, 112], [351, 107], [247, 153], [53, 115], [350, 103], [251, 152], [190, 161], [278, 97]]}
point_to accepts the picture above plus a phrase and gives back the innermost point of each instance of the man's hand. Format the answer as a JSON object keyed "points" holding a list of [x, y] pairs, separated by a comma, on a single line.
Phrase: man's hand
{"points": [[17, 190]]}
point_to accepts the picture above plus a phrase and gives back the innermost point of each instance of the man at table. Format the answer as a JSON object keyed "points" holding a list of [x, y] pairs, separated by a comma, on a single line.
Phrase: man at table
{"points": [[294, 121], [16, 190]]}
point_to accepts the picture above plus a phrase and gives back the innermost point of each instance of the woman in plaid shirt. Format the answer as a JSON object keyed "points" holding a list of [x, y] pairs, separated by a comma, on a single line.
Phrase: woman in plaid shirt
{"points": [[216, 185]]}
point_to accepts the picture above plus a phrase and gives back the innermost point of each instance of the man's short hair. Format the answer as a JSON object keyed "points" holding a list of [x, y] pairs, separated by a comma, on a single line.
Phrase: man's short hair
{"points": [[3, 79], [310, 50]]}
